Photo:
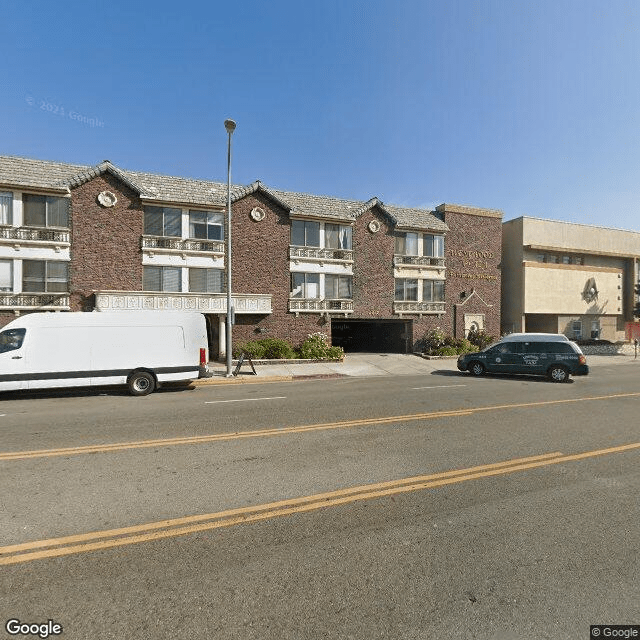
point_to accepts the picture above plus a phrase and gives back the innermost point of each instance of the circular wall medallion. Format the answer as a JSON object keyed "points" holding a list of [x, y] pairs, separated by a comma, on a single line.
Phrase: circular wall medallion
{"points": [[374, 226], [258, 214], [107, 199]]}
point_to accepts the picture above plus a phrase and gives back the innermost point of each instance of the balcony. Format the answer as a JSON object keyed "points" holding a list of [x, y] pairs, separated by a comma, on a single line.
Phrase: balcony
{"points": [[418, 262], [34, 236], [315, 305], [419, 308], [198, 302], [320, 255], [161, 244], [34, 301]]}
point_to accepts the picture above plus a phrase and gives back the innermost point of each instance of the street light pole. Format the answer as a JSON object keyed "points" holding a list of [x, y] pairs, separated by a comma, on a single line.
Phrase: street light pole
{"points": [[230, 126]]}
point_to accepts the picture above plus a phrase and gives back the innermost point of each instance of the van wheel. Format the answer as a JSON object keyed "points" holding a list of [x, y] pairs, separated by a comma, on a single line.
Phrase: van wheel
{"points": [[141, 383], [558, 373], [476, 368]]}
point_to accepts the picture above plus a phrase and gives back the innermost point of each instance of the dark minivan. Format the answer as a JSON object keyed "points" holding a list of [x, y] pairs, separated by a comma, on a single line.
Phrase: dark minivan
{"points": [[544, 354]]}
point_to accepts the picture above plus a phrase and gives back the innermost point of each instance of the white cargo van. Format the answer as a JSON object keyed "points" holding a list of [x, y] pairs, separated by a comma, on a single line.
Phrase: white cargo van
{"points": [[141, 349]]}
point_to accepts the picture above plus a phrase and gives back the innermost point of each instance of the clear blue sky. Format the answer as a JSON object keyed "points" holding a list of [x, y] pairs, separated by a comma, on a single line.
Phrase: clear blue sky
{"points": [[528, 107]]}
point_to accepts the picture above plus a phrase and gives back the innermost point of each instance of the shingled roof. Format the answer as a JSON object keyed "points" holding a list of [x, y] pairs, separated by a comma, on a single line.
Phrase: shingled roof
{"points": [[152, 187]]}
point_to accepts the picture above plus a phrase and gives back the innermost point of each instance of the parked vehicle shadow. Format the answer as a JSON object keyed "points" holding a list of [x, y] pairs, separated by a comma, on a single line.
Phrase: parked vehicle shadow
{"points": [[88, 392], [497, 376]]}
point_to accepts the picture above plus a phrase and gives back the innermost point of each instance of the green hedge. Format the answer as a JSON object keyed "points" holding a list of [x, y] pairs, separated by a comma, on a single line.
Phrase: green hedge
{"points": [[315, 347], [437, 343]]}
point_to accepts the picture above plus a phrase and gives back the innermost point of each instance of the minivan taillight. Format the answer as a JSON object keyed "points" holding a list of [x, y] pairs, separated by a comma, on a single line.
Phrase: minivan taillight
{"points": [[582, 360], [203, 357]]}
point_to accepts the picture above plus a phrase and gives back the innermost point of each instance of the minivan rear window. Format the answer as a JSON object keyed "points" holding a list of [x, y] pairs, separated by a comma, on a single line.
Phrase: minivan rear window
{"points": [[11, 339]]}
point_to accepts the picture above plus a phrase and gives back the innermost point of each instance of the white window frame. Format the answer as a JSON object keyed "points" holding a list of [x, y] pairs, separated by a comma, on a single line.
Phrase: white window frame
{"points": [[220, 273], [405, 288], [217, 223], [6, 208], [47, 279], [431, 285], [339, 278], [8, 264], [48, 201], [160, 210], [305, 286], [162, 269]]}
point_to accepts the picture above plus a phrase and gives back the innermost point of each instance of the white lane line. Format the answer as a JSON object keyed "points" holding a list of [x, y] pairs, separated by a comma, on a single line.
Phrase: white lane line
{"points": [[246, 400], [442, 386]]}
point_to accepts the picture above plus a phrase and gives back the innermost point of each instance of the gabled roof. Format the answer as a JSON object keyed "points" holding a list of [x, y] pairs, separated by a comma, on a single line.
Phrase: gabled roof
{"points": [[157, 188], [306, 204], [407, 218], [257, 187], [37, 174]]}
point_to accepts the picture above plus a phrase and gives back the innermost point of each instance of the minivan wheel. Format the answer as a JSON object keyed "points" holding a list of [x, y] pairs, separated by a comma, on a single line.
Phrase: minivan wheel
{"points": [[558, 373], [141, 383], [476, 368]]}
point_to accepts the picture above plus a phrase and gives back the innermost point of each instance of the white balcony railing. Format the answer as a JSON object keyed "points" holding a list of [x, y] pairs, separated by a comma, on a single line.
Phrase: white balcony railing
{"points": [[418, 261], [418, 307], [315, 305], [315, 253], [34, 234], [34, 301], [179, 245]]}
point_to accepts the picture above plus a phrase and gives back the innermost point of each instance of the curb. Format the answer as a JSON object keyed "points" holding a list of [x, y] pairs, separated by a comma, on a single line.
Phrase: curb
{"points": [[251, 379]]}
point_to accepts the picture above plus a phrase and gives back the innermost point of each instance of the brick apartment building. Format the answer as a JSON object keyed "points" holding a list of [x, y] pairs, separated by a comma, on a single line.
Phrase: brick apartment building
{"points": [[374, 277]]}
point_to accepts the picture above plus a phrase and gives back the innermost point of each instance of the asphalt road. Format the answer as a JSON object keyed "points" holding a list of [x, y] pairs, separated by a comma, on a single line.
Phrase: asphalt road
{"points": [[438, 506]]}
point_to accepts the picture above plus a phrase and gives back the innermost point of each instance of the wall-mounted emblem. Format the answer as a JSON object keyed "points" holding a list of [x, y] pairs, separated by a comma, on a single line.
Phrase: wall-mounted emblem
{"points": [[590, 291], [258, 214], [107, 199], [374, 226]]}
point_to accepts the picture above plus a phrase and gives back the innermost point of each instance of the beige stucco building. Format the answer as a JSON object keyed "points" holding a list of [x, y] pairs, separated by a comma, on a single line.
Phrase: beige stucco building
{"points": [[568, 278]]}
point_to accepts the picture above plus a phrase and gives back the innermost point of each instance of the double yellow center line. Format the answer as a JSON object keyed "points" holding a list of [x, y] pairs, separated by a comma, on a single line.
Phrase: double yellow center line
{"points": [[98, 540]]}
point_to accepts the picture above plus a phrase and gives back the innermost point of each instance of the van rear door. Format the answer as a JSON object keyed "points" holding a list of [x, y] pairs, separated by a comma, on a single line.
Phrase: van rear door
{"points": [[13, 359]]}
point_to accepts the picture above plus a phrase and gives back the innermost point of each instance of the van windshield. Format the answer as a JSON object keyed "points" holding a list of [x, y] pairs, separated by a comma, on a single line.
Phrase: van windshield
{"points": [[11, 339]]}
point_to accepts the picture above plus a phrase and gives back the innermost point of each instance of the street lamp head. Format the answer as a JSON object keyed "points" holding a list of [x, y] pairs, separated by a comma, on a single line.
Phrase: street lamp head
{"points": [[230, 126]]}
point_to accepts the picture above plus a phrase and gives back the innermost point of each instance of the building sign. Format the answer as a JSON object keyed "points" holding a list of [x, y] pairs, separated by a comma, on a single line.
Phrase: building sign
{"points": [[470, 265]]}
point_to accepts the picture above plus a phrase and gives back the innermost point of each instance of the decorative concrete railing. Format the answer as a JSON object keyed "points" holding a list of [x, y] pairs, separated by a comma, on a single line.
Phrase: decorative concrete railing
{"points": [[314, 253], [34, 301], [178, 244], [164, 301], [417, 261], [34, 234], [418, 307], [314, 305]]}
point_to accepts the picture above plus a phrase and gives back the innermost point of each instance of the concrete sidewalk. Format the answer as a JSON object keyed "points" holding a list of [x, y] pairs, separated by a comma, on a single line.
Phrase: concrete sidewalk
{"points": [[362, 365]]}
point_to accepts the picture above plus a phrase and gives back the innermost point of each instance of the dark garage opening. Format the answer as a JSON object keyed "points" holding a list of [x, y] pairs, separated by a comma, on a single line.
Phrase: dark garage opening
{"points": [[372, 336]]}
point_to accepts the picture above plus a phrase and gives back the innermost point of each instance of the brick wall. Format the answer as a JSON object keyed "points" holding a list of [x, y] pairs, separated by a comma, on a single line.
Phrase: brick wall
{"points": [[473, 254], [373, 282], [105, 242], [260, 265]]}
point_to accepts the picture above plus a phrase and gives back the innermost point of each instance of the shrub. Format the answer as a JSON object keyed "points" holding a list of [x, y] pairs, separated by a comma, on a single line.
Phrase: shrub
{"points": [[465, 346], [315, 347], [431, 341], [254, 349], [269, 348], [480, 339], [447, 351], [277, 349]]}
